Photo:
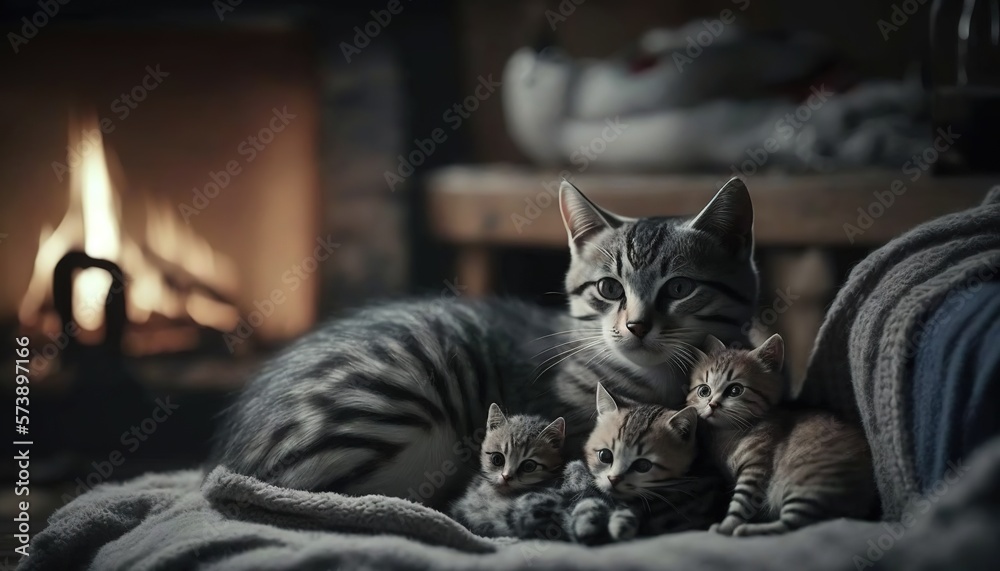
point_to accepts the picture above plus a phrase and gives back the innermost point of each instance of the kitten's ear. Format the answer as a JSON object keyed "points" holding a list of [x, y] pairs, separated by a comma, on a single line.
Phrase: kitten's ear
{"points": [[555, 433], [684, 423], [729, 217], [771, 353], [495, 418], [713, 346], [605, 402], [583, 219]]}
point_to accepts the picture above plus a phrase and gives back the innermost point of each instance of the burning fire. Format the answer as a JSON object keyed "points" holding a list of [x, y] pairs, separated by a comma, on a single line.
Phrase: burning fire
{"points": [[173, 272]]}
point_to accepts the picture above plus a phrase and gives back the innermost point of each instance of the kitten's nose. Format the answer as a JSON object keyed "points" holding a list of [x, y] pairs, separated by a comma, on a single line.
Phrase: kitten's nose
{"points": [[713, 405], [614, 480], [506, 477], [638, 328]]}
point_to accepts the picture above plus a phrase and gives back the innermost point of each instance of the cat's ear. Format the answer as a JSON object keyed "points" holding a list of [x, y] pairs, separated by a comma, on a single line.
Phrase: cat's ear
{"points": [[771, 353], [555, 433], [713, 346], [729, 217], [496, 418], [583, 219], [683, 423], [605, 403]]}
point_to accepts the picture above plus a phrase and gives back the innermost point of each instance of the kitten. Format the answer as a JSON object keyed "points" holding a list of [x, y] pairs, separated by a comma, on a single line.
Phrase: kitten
{"points": [[519, 454], [791, 467], [642, 456]]}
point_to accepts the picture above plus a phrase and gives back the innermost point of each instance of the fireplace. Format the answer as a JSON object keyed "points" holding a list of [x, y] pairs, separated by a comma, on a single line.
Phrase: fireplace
{"points": [[191, 166], [184, 193]]}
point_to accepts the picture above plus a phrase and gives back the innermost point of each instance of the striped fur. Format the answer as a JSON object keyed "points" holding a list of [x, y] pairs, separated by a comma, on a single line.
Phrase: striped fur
{"points": [[384, 400], [790, 467]]}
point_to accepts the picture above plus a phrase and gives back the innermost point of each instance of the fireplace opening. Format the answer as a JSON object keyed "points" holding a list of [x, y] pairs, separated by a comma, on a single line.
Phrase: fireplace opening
{"points": [[175, 286]]}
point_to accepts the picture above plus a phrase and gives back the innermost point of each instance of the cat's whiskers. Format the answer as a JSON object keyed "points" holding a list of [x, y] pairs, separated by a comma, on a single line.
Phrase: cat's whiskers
{"points": [[568, 332], [568, 354], [580, 340], [664, 500]]}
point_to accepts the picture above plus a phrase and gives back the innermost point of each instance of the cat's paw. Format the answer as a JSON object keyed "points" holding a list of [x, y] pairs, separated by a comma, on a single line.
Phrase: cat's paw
{"points": [[623, 524], [588, 522], [727, 525], [536, 516], [576, 477]]}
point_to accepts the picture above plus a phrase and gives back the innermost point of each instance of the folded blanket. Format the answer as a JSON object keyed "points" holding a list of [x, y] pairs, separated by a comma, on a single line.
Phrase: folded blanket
{"points": [[232, 522], [862, 358]]}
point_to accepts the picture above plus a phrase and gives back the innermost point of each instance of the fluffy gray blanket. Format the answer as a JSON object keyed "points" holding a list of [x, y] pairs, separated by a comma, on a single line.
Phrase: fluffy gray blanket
{"points": [[231, 522], [223, 521]]}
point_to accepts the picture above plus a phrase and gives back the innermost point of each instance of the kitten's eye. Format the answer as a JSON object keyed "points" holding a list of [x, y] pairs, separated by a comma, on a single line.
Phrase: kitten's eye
{"points": [[609, 288], [704, 391], [496, 459], [735, 390], [605, 456], [642, 465], [679, 288], [529, 466]]}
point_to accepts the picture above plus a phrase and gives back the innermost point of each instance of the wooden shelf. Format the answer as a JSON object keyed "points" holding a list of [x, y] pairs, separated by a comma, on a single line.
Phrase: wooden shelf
{"points": [[476, 205]]}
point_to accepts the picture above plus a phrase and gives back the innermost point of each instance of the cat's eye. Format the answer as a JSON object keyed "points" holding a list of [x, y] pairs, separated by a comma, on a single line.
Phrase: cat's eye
{"points": [[642, 465], [679, 288], [704, 391], [529, 466], [735, 390], [609, 288], [605, 456], [496, 459]]}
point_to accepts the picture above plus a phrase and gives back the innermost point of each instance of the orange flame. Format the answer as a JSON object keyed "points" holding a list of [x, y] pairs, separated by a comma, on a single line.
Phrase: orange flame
{"points": [[187, 278]]}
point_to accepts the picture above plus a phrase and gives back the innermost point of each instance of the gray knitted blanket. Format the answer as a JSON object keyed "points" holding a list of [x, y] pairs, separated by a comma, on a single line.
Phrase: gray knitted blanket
{"points": [[226, 521], [861, 358]]}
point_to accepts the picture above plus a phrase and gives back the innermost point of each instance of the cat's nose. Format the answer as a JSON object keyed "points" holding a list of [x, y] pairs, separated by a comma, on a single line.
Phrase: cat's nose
{"points": [[713, 405], [506, 477], [614, 480], [638, 328]]}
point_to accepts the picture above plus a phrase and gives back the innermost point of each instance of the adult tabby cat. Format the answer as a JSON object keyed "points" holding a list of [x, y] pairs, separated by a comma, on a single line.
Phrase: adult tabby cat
{"points": [[388, 399]]}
